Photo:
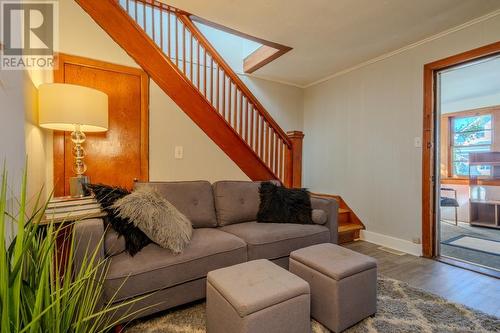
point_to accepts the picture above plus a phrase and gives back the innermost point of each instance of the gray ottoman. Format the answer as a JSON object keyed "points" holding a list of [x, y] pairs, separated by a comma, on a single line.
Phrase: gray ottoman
{"points": [[257, 297], [343, 283]]}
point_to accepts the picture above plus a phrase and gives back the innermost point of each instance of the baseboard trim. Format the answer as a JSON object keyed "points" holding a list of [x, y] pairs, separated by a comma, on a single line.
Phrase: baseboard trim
{"points": [[391, 242]]}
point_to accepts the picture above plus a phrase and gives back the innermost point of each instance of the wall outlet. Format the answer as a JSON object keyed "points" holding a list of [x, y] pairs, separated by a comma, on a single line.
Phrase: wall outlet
{"points": [[417, 141], [179, 152], [416, 240]]}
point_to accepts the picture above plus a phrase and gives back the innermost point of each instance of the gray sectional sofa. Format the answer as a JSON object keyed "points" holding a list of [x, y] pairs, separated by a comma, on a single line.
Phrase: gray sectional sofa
{"points": [[225, 233]]}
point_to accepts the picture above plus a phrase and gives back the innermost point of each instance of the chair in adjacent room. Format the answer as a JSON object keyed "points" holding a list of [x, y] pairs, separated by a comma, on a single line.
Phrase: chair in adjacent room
{"points": [[450, 201]]}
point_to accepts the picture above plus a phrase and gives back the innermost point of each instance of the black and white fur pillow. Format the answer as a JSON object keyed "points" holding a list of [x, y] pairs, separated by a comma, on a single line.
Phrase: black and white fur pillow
{"points": [[106, 196], [156, 217]]}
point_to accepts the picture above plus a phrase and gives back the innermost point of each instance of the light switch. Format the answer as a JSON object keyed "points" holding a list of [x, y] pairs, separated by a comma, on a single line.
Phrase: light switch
{"points": [[417, 142], [179, 152]]}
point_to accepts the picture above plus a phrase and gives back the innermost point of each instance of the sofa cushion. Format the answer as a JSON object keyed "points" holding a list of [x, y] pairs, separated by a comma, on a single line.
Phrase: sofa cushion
{"points": [[237, 201], [113, 243], [276, 240], [155, 268], [194, 199]]}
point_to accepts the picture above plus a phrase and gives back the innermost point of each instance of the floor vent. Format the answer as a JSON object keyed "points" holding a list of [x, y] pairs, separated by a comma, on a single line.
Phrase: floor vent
{"points": [[396, 252]]}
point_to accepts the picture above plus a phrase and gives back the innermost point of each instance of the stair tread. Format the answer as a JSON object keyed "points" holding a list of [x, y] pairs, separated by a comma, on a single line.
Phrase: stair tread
{"points": [[343, 211], [349, 227]]}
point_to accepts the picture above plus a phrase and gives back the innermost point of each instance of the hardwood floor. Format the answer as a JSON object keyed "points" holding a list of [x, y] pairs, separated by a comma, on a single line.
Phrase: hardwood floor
{"points": [[455, 284]]}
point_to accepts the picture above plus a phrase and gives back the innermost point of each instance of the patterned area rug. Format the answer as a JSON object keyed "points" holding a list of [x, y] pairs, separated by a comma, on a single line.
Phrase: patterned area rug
{"points": [[401, 309]]}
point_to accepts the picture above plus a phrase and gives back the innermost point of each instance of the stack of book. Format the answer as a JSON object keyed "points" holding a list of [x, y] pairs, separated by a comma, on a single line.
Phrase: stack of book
{"points": [[68, 208]]}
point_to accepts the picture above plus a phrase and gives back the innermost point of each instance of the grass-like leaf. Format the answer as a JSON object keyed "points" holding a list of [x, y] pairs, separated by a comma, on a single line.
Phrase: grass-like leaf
{"points": [[38, 292]]}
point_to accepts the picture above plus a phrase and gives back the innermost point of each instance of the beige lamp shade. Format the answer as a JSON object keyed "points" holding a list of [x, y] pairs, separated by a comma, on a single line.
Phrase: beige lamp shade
{"points": [[62, 106]]}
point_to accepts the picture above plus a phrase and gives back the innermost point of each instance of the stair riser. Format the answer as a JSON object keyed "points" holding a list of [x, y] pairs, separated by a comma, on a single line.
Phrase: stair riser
{"points": [[344, 218]]}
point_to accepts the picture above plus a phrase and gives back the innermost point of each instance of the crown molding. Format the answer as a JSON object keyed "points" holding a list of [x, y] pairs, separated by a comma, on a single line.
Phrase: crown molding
{"points": [[253, 76]]}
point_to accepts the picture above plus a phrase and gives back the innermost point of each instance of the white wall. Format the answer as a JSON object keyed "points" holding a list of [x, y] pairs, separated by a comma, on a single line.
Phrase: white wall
{"points": [[37, 144], [360, 129], [12, 150], [283, 102], [171, 127]]}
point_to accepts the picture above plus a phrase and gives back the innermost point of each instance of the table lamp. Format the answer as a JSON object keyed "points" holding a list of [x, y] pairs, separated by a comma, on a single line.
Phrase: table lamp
{"points": [[68, 107]]}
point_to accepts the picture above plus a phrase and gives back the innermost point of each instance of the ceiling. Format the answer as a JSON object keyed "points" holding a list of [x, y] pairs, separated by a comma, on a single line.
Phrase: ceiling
{"points": [[329, 36], [471, 86]]}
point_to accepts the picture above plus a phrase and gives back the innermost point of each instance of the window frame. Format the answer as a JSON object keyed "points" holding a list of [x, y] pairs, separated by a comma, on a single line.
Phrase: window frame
{"points": [[451, 139]]}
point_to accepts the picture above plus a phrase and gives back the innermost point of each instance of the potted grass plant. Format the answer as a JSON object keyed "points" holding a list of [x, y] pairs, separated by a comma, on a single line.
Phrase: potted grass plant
{"points": [[37, 293]]}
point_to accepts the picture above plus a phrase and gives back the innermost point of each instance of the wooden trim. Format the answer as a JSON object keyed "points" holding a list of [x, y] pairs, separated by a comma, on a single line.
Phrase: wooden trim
{"points": [[455, 181], [466, 181], [61, 59], [126, 33], [144, 126], [449, 156], [470, 266], [428, 139], [465, 57], [342, 205], [294, 163], [349, 224], [450, 118], [234, 77], [237, 33], [261, 57], [64, 58]]}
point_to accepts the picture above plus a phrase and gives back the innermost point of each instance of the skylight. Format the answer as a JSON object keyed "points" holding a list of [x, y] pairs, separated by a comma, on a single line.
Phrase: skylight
{"points": [[243, 53]]}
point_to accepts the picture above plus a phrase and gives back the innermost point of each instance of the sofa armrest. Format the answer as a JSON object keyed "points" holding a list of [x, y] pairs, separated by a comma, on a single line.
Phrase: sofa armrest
{"points": [[330, 207], [88, 239]]}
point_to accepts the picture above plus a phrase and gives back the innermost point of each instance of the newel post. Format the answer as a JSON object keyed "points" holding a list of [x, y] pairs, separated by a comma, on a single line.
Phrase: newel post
{"points": [[293, 158]]}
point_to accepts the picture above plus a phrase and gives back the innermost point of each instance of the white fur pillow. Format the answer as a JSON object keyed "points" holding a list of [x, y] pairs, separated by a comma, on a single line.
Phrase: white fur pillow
{"points": [[157, 218]]}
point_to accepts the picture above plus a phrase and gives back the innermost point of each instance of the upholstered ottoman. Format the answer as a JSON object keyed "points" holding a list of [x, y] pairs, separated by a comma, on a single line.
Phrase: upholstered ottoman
{"points": [[257, 297], [343, 283]]}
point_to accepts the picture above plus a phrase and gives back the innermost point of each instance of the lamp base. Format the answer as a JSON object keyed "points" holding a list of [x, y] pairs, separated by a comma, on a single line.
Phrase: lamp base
{"points": [[77, 186]]}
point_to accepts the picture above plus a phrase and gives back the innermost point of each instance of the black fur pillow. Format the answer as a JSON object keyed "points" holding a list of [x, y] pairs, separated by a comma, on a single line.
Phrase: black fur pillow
{"points": [[106, 195], [279, 204]]}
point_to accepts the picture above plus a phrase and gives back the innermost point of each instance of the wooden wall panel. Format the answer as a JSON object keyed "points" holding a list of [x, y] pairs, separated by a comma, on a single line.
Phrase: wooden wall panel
{"points": [[120, 155]]}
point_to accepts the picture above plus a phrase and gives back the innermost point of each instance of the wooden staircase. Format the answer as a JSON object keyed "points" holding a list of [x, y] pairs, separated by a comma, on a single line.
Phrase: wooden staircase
{"points": [[166, 43], [349, 223]]}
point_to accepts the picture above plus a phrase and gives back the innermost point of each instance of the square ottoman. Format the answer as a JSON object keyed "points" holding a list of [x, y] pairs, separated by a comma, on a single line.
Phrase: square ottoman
{"points": [[343, 283], [257, 297]]}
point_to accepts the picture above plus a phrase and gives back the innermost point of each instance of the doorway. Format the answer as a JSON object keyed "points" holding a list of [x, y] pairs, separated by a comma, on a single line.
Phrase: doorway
{"points": [[120, 155], [468, 121], [461, 160]]}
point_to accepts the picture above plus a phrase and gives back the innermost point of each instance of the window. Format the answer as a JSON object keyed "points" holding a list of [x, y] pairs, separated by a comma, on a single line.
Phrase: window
{"points": [[470, 135]]}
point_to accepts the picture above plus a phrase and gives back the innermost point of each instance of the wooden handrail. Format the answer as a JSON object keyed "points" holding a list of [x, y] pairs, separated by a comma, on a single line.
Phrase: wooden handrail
{"points": [[234, 77], [186, 20]]}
